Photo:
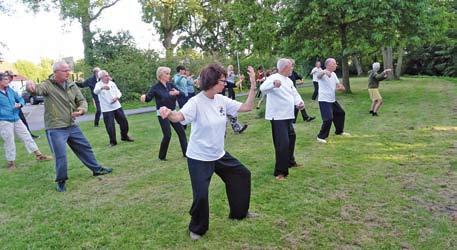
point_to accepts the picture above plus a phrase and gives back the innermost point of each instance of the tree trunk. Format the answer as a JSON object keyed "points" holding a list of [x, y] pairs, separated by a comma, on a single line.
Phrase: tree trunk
{"points": [[168, 45], [357, 64], [344, 57], [87, 41], [388, 61], [398, 69]]}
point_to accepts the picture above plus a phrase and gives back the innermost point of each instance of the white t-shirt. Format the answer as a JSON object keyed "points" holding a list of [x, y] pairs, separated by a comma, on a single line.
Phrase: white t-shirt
{"points": [[106, 96], [280, 101], [314, 72], [327, 87], [208, 118]]}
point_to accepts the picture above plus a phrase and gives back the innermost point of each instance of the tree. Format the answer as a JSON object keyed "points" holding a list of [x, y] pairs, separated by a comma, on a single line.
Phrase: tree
{"points": [[168, 17], [326, 28], [83, 11]]}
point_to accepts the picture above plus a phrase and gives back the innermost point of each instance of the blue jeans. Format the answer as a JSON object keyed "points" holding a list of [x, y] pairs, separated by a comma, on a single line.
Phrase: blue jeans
{"points": [[58, 139]]}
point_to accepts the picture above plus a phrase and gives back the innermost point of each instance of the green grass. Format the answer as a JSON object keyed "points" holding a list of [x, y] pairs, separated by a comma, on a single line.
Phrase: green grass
{"points": [[392, 185]]}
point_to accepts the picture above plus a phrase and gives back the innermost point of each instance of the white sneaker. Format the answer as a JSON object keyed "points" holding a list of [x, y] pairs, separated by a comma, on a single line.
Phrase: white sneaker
{"points": [[194, 236], [321, 140], [345, 134]]}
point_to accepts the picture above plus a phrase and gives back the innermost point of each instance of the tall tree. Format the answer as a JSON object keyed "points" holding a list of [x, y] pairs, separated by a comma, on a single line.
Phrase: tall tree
{"points": [[168, 17], [83, 11]]}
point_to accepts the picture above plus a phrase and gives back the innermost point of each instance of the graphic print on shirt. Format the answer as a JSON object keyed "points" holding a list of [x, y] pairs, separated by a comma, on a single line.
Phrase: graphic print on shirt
{"points": [[221, 111]]}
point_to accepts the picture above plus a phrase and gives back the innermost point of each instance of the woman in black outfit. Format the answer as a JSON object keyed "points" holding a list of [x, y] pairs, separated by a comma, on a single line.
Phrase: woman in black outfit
{"points": [[165, 94]]}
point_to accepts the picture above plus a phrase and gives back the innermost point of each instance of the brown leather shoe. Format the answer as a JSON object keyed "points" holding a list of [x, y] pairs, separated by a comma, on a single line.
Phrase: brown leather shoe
{"points": [[11, 165], [42, 157]]}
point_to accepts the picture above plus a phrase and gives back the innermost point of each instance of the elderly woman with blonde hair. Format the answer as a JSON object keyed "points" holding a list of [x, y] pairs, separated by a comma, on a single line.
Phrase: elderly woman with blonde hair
{"points": [[165, 94]]}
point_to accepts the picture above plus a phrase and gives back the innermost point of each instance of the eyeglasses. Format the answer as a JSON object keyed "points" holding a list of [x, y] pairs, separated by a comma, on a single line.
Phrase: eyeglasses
{"points": [[223, 81]]}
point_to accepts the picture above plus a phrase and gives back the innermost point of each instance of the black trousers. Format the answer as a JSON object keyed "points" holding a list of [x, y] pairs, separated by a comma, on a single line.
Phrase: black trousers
{"points": [[22, 117], [304, 115], [284, 143], [316, 90], [231, 92], [237, 179], [119, 116], [166, 131], [98, 112], [331, 112]]}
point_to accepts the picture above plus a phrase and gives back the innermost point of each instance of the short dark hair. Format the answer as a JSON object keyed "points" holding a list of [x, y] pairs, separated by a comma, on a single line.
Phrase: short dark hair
{"points": [[210, 75], [179, 68]]}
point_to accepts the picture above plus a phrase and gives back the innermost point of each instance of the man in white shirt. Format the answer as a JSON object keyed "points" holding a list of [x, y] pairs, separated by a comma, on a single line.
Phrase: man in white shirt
{"points": [[109, 95], [282, 97], [315, 72], [331, 111]]}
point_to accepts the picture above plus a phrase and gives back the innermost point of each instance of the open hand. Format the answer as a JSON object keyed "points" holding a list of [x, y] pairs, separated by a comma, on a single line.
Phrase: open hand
{"points": [[300, 106], [18, 105], [143, 98]]}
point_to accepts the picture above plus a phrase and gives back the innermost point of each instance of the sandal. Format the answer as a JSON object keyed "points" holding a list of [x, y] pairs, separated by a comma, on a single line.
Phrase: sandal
{"points": [[42, 157]]}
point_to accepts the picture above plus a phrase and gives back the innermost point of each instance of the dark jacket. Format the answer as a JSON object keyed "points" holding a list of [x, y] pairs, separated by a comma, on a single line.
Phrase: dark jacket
{"points": [[162, 95], [90, 82], [374, 78], [294, 77]]}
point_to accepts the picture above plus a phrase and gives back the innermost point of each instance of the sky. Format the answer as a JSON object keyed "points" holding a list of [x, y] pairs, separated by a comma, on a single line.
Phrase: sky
{"points": [[44, 35]]}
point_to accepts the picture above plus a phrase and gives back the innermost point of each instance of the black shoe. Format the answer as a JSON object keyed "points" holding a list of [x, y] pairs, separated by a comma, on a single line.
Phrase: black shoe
{"points": [[374, 114], [35, 136], [61, 186], [371, 112], [112, 144], [310, 118], [103, 171], [245, 126], [129, 139], [96, 125]]}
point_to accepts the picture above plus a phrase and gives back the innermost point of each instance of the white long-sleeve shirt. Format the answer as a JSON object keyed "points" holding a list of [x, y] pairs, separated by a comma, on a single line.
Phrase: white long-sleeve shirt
{"points": [[315, 72], [280, 101], [106, 96]]}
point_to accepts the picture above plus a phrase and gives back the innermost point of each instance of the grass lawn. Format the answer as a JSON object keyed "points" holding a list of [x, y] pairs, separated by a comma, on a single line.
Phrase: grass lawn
{"points": [[392, 185]]}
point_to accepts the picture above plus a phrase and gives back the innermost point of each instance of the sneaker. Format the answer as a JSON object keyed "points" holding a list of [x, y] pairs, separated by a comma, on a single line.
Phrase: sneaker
{"points": [[345, 134], [113, 144], [194, 236], [243, 129], [103, 171], [310, 118], [61, 187], [371, 112], [321, 140], [129, 139]]}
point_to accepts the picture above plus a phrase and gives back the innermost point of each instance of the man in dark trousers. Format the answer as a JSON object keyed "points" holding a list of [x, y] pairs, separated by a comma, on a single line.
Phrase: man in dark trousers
{"points": [[90, 82], [294, 77]]}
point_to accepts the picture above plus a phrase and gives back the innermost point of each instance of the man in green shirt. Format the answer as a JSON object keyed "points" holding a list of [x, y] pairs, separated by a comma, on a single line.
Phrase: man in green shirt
{"points": [[63, 102], [373, 87]]}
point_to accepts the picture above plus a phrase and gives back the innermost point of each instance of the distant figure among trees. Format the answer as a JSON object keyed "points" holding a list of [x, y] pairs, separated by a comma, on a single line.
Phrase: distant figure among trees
{"points": [[373, 87]]}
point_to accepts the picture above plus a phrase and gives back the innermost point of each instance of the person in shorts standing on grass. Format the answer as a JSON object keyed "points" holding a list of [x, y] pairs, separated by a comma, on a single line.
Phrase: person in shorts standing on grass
{"points": [[373, 87]]}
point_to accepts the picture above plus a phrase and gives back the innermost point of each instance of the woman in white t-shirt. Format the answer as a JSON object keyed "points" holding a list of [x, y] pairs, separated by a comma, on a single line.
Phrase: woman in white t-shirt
{"points": [[207, 112]]}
